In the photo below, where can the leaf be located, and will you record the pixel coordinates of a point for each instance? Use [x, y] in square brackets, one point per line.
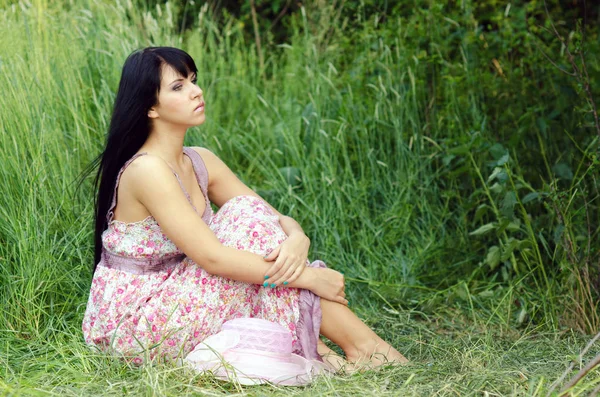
[495, 173]
[493, 257]
[506, 223]
[524, 244]
[503, 160]
[500, 155]
[509, 248]
[496, 188]
[530, 197]
[447, 159]
[483, 229]
[514, 226]
[481, 210]
[504, 272]
[522, 315]
[497, 151]
[508, 204]
[563, 171]
[462, 149]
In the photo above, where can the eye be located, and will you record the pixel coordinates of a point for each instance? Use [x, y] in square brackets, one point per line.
[195, 80]
[177, 87]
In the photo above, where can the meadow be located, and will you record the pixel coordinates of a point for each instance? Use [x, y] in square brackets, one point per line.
[434, 154]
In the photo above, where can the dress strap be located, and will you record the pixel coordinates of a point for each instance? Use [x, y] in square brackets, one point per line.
[111, 213]
[187, 195]
[199, 169]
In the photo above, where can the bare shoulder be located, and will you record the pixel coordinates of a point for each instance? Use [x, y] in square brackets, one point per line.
[147, 169]
[146, 177]
[212, 162]
[207, 155]
[222, 181]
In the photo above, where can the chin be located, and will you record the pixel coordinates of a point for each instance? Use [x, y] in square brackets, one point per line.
[200, 121]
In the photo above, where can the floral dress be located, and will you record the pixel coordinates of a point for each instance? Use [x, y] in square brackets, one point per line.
[148, 299]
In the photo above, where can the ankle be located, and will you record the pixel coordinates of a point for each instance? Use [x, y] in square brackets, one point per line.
[364, 350]
[374, 351]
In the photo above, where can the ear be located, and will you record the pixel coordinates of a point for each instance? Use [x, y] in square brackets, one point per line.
[152, 113]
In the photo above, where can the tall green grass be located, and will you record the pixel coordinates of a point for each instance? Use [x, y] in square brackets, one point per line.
[342, 140]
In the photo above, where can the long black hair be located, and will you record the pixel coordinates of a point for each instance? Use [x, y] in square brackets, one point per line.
[130, 124]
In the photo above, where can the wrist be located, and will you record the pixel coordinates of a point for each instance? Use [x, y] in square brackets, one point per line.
[305, 280]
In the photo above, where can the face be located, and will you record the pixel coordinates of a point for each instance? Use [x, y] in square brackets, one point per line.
[180, 100]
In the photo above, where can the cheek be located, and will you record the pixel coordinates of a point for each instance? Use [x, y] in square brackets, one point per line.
[174, 106]
[171, 100]
[175, 100]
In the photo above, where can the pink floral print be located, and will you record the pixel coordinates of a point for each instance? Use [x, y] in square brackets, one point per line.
[167, 313]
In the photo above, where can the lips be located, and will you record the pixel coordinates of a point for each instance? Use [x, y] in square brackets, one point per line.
[200, 107]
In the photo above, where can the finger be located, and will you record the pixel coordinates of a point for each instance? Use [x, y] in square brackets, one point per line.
[276, 265]
[295, 275]
[273, 254]
[273, 270]
[277, 270]
[291, 269]
[341, 300]
[282, 274]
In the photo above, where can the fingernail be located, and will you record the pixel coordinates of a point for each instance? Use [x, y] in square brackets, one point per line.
[265, 257]
[273, 286]
[266, 277]
[285, 283]
[265, 284]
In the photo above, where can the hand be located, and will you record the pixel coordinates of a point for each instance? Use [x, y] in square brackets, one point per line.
[328, 284]
[290, 260]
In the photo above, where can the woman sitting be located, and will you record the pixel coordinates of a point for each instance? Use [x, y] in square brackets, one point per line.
[168, 271]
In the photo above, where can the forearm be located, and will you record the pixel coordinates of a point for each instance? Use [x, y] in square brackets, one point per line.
[247, 267]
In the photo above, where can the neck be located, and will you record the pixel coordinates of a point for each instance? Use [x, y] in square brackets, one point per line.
[167, 143]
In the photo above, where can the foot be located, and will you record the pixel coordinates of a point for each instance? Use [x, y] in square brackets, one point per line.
[335, 362]
[374, 354]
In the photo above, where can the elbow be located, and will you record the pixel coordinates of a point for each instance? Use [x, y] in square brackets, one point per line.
[209, 261]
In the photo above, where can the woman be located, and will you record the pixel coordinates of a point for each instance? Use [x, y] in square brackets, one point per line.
[168, 271]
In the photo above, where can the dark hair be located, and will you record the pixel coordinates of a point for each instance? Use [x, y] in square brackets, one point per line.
[129, 124]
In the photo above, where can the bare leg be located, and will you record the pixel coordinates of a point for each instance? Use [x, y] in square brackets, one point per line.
[361, 345]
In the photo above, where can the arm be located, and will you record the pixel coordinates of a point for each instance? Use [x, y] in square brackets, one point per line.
[288, 260]
[154, 186]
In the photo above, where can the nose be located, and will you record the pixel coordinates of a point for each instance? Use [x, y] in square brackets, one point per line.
[196, 91]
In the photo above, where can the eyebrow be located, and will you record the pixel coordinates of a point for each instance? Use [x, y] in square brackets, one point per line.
[174, 81]
[181, 78]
